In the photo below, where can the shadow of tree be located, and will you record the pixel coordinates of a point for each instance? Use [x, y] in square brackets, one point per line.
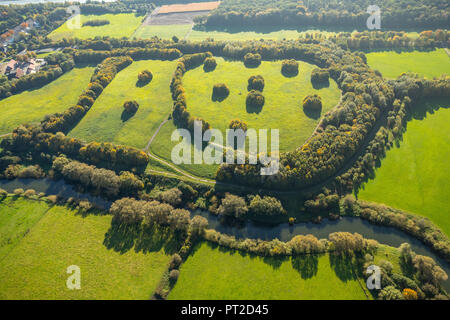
[306, 264]
[123, 237]
[313, 114]
[219, 98]
[320, 85]
[342, 265]
[126, 116]
[141, 84]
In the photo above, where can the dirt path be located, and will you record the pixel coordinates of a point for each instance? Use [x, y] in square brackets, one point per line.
[186, 37]
[154, 135]
[447, 51]
[5, 135]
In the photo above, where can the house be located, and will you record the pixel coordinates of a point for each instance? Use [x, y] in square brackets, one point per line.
[10, 66]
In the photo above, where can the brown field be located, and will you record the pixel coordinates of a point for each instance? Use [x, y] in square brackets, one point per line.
[190, 7]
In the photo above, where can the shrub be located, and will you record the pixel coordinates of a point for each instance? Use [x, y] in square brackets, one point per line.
[209, 65]
[145, 76]
[175, 39]
[131, 106]
[256, 83]
[255, 101]
[319, 76]
[233, 206]
[18, 191]
[238, 124]
[171, 196]
[312, 103]
[220, 92]
[85, 101]
[173, 275]
[267, 206]
[198, 225]
[252, 60]
[409, 294]
[289, 68]
[3, 194]
[175, 262]
[390, 293]
[29, 193]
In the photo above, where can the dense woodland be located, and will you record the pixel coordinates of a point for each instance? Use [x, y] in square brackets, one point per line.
[327, 13]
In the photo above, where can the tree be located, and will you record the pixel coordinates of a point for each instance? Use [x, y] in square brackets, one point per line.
[220, 92]
[233, 206]
[312, 103]
[428, 271]
[210, 64]
[266, 206]
[171, 196]
[320, 76]
[198, 225]
[390, 293]
[127, 210]
[131, 107]
[409, 294]
[289, 68]
[145, 76]
[255, 101]
[256, 83]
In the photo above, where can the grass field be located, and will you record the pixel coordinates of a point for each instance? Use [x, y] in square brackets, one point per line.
[112, 267]
[33, 105]
[282, 109]
[392, 64]
[212, 273]
[121, 25]
[162, 31]
[105, 121]
[17, 217]
[414, 176]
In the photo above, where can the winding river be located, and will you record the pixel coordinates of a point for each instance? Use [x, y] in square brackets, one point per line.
[284, 232]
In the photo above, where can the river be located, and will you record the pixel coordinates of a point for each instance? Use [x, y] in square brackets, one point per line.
[284, 232]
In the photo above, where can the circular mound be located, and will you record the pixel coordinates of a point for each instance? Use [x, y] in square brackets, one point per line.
[255, 101]
[131, 106]
[145, 77]
[220, 92]
[312, 103]
[289, 68]
[209, 65]
[256, 83]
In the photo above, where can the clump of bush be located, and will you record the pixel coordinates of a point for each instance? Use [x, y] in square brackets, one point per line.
[289, 68]
[3, 194]
[267, 206]
[220, 92]
[131, 106]
[238, 124]
[320, 76]
[210, 64]
[252, 60]
[312, 103]
[256, 83]
[233, 206]
[255, 101]
[145, 76]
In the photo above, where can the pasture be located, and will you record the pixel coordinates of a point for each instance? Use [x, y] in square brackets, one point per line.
[217, 274]
[112, 264]
[33, 105]
[414, 175]
[121, 25]
[106, 121]
[392, 64]
[162, 31]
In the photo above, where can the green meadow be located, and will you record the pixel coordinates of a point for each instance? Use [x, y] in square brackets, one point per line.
[106, 120]
[17, 217]
[33, 105]
[414, 175]
[112, 264]
[392, 64]
[283, 99]
[121, 25]
[162, 31]
[282, 109]
[217, 274]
